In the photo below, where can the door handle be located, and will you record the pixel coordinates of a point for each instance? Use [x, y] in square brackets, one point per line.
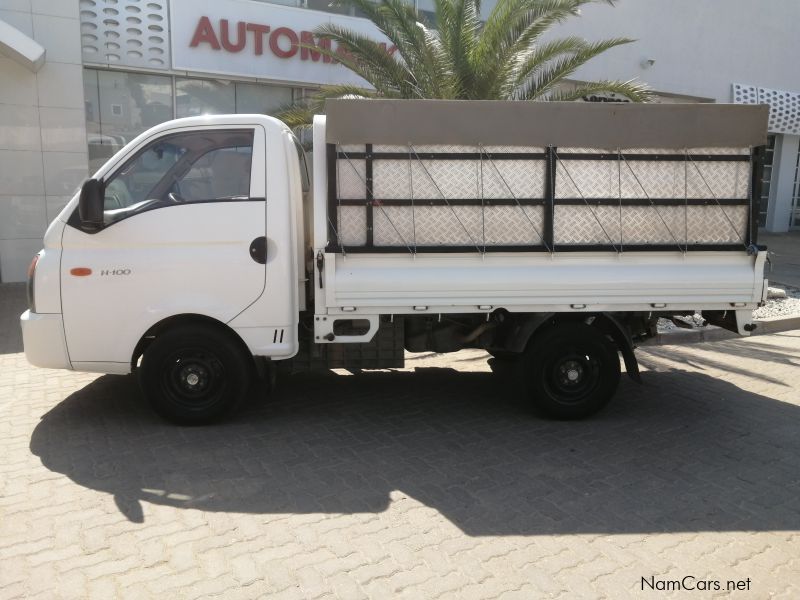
[258, 250]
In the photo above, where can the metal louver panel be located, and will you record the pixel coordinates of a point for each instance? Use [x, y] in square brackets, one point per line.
[125, 33]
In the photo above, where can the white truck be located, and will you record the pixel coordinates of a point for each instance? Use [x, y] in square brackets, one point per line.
[550, 234]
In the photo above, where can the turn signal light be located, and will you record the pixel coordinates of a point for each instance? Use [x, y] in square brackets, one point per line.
[80, 271]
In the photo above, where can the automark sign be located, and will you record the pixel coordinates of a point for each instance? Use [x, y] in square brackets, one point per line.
[257, 39]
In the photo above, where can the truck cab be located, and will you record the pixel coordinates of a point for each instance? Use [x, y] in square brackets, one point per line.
[194, 224]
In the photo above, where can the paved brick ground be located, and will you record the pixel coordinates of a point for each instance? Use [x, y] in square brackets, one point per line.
[423, 483]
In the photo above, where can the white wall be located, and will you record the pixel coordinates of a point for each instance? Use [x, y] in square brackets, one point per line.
[700, 46]
[42, 129]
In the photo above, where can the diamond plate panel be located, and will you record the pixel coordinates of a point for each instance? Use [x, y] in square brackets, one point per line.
[459, 226]
[625, 151]
[392, 179]
[709, 225]
[452, 148]
[656, 179]
[577, 150]
[725, 180]
[577, 225]
[653, 225]
[513, 225]
[428, 225]
[390, 148]
[455, 179]
[351, 178]
[352, 225]
[351, 148]
[514, 149]
[722, 151]
[513, 178]
[650, 225]
[639, 225]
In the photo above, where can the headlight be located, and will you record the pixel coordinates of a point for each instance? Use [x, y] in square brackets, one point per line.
[31, 280]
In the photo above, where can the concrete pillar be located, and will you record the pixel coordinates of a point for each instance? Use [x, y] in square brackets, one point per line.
[784, 166]
[43, 152]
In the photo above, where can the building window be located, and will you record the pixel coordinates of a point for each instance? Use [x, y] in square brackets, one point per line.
[261, 99]
[120, 106]
[329, 6]
[195, 97]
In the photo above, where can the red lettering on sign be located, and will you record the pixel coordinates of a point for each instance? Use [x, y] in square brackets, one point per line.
[313, 48]
[307, 39]
[204, 33]
[344, 53]
[241, 40]
[259, 31]
[274, 42]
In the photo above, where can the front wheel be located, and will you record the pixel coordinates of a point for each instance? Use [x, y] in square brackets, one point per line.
[570, 371]
[195, 374]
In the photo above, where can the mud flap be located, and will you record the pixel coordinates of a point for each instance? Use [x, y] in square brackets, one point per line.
[737, 321]
[624, 342]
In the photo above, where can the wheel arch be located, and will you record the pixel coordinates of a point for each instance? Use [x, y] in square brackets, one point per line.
[527, 328]
[179, 320]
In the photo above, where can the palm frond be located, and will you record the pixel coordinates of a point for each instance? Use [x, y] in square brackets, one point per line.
[458, 24]
[398, 20]
[463, 58]
[514, 26]
[367, 58]
[532, 60]
[543, 82]
[300, 114]
[632, 90]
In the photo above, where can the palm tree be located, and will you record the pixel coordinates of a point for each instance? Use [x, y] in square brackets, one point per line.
[463, 58]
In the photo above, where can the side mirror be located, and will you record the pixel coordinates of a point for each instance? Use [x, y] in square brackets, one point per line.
[90, 205]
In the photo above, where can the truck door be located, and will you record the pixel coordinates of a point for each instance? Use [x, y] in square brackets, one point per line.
[183, 233]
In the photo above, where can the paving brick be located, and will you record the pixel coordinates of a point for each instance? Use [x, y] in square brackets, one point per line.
[426, 482]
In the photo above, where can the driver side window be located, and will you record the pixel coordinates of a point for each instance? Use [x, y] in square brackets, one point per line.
[202, 166]
[133, 183]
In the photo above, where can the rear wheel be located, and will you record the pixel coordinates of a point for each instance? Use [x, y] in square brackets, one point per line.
[570, 371]
[195, 374]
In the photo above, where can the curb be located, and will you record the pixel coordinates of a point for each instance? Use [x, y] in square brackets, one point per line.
[711, 333]
[776, 324]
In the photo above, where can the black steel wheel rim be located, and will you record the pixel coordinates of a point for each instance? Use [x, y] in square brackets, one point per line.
[193, 378]
[571, 376]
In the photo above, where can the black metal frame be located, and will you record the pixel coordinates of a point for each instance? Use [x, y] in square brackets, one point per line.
[549, 201]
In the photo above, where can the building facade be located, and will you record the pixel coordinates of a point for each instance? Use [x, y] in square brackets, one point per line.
[81, 78]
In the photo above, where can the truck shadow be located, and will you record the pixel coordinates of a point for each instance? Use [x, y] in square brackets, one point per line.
[685, 452]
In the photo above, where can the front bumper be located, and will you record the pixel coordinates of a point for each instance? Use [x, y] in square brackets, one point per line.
[43, 339]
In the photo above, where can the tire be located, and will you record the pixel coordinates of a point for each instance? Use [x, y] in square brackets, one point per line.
[195, 374]
[569, 371]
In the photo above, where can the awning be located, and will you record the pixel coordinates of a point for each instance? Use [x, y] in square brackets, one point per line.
[20, 48]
